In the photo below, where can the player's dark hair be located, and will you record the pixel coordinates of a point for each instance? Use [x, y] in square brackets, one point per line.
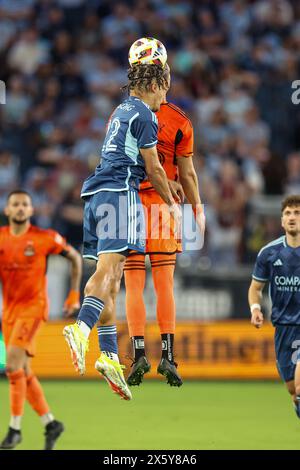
[18, 191]
[290, 201]
[141, 76]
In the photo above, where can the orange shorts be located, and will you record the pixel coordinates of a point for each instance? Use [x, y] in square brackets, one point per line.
[159, 225]
[22, 333]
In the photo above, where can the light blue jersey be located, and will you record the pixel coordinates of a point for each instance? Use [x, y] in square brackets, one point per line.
[279, 264]
[132, 126]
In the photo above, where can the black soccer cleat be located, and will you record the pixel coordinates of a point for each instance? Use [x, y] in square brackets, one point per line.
[52, 433]
[12, 439]
[138, 369]
[169, 370]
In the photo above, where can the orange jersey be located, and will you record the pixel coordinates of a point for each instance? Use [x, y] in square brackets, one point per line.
[175, 140]
[23, 265]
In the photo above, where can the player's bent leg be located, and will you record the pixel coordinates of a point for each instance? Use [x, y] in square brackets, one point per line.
[16, 357]
[296, 396]
[108, 363]
[97, 293]
[163, 267]
[135, 276]
[36, 398]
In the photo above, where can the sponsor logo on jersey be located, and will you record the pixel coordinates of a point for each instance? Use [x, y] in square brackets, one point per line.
[29, 249]
[126, 106]
[278, 262]
[288, 283]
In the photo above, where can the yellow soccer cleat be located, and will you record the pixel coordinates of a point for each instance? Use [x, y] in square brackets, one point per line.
[78, 345]
[112, 371]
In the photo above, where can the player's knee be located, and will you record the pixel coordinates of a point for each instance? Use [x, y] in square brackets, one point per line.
[12, 364]
[134, 283]
[15, 359]
[163, 278]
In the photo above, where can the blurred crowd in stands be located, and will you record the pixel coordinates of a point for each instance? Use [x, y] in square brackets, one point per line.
[233, 63]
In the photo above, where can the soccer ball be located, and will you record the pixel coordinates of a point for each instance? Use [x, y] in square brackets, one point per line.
[147, 51]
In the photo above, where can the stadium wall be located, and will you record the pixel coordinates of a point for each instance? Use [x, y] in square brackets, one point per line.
[222, 350]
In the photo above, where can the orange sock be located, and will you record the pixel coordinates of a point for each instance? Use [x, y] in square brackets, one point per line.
[135, 276]
[17, 391]
[35, 396]
[163, 267]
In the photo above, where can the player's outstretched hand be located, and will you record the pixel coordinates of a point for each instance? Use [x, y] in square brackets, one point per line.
[177, 191]
[257, 318]
[72, 303]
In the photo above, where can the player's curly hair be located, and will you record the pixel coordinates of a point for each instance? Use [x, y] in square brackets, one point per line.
[290, 201]
[141, 76]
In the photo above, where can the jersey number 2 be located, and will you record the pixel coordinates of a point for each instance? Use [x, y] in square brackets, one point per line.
[112, 131]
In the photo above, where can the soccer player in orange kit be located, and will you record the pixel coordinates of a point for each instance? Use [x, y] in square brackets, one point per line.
[24, 249]
[175, 150]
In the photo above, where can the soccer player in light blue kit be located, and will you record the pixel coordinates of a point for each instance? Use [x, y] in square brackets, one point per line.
[278, 264]
[113, 220]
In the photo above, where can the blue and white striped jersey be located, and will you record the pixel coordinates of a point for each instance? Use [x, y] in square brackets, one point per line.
[132, 126]
[279, 264]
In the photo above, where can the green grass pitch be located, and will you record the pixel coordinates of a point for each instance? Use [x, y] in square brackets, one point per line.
[199, 415]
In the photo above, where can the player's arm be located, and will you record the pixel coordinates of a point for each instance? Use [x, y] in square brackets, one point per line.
[157, 175]
[189, 181]
[254, 298]
[72, 302]
[177, 191]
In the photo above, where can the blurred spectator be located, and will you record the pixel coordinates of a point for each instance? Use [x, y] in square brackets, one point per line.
[232, 63]
[258, 232]
[68, 218]
[28, 52]
[9, 174]
[35, 184]
[228, 199]
[15, 10]
[292, 183]
[253, 131]
[274, 171]
[71, 81]
[118, 24]
[17, 101]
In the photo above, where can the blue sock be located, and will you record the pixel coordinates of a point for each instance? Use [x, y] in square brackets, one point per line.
[107, 336]
[90, 311]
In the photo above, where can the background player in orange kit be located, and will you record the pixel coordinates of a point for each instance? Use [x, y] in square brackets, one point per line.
[175, 150]
[24, 249]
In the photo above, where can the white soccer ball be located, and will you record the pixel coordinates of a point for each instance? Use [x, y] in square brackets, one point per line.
[147, 51]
